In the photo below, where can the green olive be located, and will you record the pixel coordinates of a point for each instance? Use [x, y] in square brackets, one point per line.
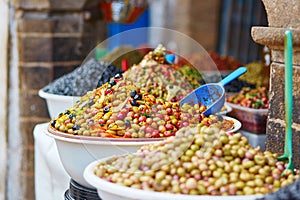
[259, 159]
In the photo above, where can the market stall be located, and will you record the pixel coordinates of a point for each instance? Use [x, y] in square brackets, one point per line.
[139, 109]
[125, 131]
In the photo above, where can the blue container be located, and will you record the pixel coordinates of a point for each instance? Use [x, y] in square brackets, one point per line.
[135, 40]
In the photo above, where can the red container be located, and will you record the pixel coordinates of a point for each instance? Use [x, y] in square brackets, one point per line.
[253, 120]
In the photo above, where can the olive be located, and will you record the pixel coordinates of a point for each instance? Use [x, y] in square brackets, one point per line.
[127, 123]
[118, 76]
[112, 83]
[75, 127]
[134, 103]
[91, 102]
[132, 93]
[106, 109]
[137, 97]
[67, 112]
[53, 123]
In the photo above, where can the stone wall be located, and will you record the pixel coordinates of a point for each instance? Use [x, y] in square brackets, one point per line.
[277, 88]
[52, 38]
[276, 121]
[282, 15]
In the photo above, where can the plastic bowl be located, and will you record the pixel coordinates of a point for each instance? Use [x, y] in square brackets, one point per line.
[253, 120]
[57, 103]
[76, 152]
[108, 191]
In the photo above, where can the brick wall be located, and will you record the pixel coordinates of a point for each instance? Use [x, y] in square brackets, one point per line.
[52, 39]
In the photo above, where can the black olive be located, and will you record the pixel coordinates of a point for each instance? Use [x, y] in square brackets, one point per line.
[71, 116]
[112, 83]
[67, 112]
[132, 93]
[117, 76]
[134, 103]
[53, 123]
[91, 102]
[137, 97]
[127, 123]
[106, 109]
[75, 127]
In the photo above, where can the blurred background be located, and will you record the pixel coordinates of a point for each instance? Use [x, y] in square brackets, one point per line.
[42, 40]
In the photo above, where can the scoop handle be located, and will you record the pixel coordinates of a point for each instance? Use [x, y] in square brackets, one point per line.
[233, 75]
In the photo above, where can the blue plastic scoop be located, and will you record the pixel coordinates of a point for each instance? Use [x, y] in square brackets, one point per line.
[212, 95]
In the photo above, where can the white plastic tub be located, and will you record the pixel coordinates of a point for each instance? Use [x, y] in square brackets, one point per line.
[110, 191]
[76, 152]
[57, 103]
[253, 120]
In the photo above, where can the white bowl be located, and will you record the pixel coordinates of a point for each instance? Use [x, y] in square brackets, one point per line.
[76, 152]
[89, 148]
[57, 103]
[108, 191]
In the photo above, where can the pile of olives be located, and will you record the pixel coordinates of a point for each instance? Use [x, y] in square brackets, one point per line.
[120, 109]
[199, 161]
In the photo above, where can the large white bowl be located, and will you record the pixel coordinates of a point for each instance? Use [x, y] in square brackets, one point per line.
[57, 103]
[108, 191]
[76, 152]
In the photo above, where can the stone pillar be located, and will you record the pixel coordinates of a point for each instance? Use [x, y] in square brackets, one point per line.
[282, 15]
[48, 39]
